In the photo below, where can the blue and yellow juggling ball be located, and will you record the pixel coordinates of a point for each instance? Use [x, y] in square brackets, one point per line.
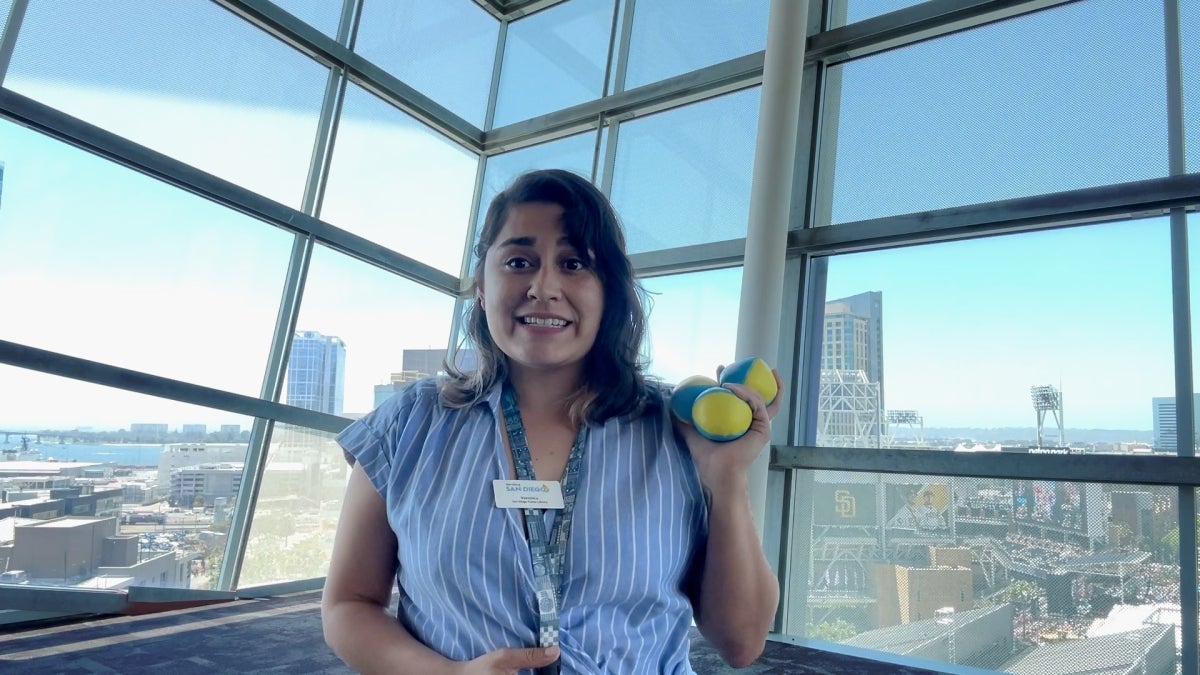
[754, 373]
[716, 412]
[683, 396]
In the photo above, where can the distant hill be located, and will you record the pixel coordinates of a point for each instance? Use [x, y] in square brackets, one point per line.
[1029, 434]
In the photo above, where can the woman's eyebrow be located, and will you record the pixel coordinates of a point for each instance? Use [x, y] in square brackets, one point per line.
[517, 241]
[530, 241]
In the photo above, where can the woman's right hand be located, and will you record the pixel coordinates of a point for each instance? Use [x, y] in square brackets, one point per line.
[509, 661]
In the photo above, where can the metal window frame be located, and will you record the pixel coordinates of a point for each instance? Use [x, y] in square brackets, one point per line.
[127, 379]
[9, 31]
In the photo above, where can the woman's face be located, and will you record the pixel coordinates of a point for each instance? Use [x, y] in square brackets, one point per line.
[542, 299]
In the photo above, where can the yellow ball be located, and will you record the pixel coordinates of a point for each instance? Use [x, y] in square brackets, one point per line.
[754, 373]
[684, 395]
[718, 414]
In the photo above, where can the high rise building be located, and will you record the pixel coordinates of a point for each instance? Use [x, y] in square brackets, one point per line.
[854, 335]
[194, 430]
[850, 409]
[1166, 435]
[316, 372]
[416, 363]
[425, 361]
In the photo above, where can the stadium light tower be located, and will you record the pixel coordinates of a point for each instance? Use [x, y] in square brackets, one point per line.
[1048, 399]
[909, 418]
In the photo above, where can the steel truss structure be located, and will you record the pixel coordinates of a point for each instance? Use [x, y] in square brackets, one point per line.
[848, 413]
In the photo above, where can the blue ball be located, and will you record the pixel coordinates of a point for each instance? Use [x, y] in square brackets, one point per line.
[718, 414]
[754, 373]
[685, 393]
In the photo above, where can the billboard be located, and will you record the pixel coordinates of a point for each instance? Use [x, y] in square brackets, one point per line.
[920, 508]
[1047, 502]
[844, 504]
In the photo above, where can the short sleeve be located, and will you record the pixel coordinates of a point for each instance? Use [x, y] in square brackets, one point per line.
[372, 441]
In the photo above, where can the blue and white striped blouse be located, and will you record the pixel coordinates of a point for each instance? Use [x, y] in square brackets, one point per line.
[465, 574]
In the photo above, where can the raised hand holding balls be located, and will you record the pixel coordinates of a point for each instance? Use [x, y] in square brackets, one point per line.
[716, 412]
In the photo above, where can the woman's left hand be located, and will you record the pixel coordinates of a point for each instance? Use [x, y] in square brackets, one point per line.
[727, 462]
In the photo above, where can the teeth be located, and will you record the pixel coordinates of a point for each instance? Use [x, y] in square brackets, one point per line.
[538, 321]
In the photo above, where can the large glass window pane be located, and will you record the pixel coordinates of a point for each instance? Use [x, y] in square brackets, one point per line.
[243, 107]
[397, 182]
[360, 332]
[324, 15]
[107, 489]
[683, 176]
[444, 50]
[1189, 18]
[1010, 575]
[101, 262]
[982, 341]
[681, 338]
[554, 59]
[573, 153]
[299, 500]
[673, 37]
[1035, 104]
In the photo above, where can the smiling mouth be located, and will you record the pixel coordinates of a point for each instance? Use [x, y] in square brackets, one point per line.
[543, 322]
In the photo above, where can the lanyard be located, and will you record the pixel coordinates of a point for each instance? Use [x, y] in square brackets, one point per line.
[547, 552]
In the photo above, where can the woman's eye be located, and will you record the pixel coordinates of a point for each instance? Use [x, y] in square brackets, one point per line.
[517, 263]
[574, 265]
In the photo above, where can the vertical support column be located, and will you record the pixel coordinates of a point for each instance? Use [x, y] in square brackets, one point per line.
[1181, 306]
[770, 203]
[260, 434]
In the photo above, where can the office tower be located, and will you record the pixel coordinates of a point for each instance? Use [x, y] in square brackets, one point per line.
[317, 372]
[854, 335]
[416, 364]
[1165, 422]
[424, 361]
[850, 405]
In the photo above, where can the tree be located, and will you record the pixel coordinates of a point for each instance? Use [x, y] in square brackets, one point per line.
[1024, 595]
[1170, 540]
[838, 630]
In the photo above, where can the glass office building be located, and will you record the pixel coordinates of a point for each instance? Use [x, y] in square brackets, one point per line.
[189, 187]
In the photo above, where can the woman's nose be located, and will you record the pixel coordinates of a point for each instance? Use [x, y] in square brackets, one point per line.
[545, 285]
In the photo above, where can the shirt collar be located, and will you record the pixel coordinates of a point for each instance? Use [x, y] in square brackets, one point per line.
[492, 399]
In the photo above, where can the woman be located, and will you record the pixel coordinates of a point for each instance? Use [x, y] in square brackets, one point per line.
[540, 509]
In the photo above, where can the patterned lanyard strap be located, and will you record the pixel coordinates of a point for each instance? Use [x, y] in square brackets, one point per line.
[547, 552]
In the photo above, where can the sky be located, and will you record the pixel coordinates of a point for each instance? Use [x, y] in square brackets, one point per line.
[138, 274]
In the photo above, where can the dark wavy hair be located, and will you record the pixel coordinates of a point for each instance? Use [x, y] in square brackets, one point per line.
[614, 378]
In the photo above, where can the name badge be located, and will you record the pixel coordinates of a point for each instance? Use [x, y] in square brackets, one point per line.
[528, 494]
